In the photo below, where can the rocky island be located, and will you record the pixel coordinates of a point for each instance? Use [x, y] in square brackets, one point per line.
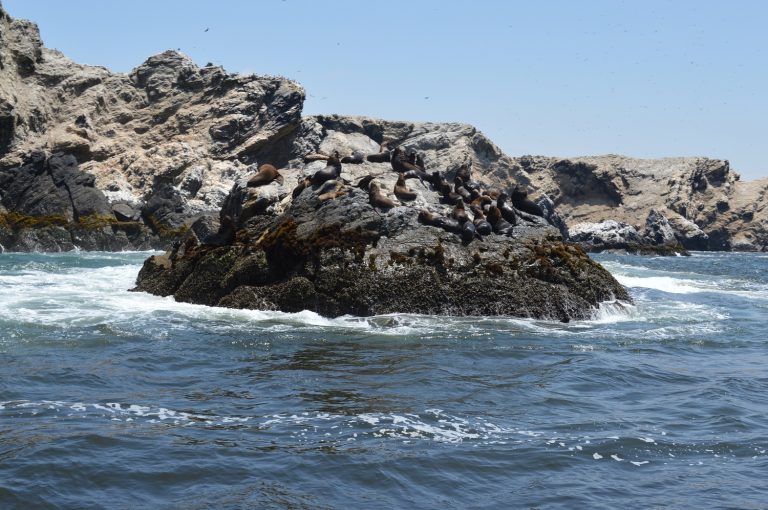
[351, 235]
[172, 156]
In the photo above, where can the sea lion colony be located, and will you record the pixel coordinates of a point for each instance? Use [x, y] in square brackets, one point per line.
[471, 211]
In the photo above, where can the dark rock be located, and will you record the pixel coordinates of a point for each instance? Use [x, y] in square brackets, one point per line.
[52, 187]
[7, 124]
[658, 231]
[342, 256]
[125, 212]
[547, 207]
[165, 209]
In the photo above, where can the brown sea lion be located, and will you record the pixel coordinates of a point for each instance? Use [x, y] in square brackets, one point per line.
[377, 199]
[401, 190]
[301, 186]
[448, 196]
[464, 172]
[309, 158]
[266, 174]
[459, 213]
[427, 217]
[499, 224]
[332, 195]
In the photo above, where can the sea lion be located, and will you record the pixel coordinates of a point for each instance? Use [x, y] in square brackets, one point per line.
[266, 174]
[459, 213]
[436, 179]
[332, 195]
[507, 212]
[481, 224]
[521, 201]
[427, 217]
[331, 171]
[400, 163]
[464, 172]
[379, 157]
[448, 196]
[377, 199]
[468, 232]
[458, 187]
[364, 182]
[475, 198]
[383, 156]
[401, 190]
[355, 158]
[309, 158]
[420, 162]
[416, 174]
[449, 224]
[306, 181]
[499, 224]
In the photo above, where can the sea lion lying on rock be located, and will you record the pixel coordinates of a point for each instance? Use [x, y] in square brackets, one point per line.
[266, 174]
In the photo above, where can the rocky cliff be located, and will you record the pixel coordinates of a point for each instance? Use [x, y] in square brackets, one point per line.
[704, 201]
[101, 160]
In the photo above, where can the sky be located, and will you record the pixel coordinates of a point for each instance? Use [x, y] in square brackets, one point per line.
[643, 78]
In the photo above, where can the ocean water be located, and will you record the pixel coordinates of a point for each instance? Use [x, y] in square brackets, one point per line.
[112, 399]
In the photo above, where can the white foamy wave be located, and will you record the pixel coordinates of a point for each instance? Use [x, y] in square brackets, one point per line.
[662, 283]
[673, 285]
[115, 411]
[610, 312]
[75, 296]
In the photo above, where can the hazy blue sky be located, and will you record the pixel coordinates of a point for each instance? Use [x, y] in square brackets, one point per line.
[645, 78]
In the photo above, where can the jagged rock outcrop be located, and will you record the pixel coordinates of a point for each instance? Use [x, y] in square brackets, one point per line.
[706, 204]
[162, 145]
[657, 238]
[331, 248]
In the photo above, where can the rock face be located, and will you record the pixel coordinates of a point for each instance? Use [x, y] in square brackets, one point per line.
[150, 151]
[705, 203]
[158, 149]
[330, 248]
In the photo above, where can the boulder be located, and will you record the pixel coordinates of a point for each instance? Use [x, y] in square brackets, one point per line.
[658, 231]
[606, 235]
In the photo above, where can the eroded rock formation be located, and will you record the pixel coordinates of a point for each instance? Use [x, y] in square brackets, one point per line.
[706, 204]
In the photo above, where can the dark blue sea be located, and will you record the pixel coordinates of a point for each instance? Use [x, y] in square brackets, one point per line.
[121, 400]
